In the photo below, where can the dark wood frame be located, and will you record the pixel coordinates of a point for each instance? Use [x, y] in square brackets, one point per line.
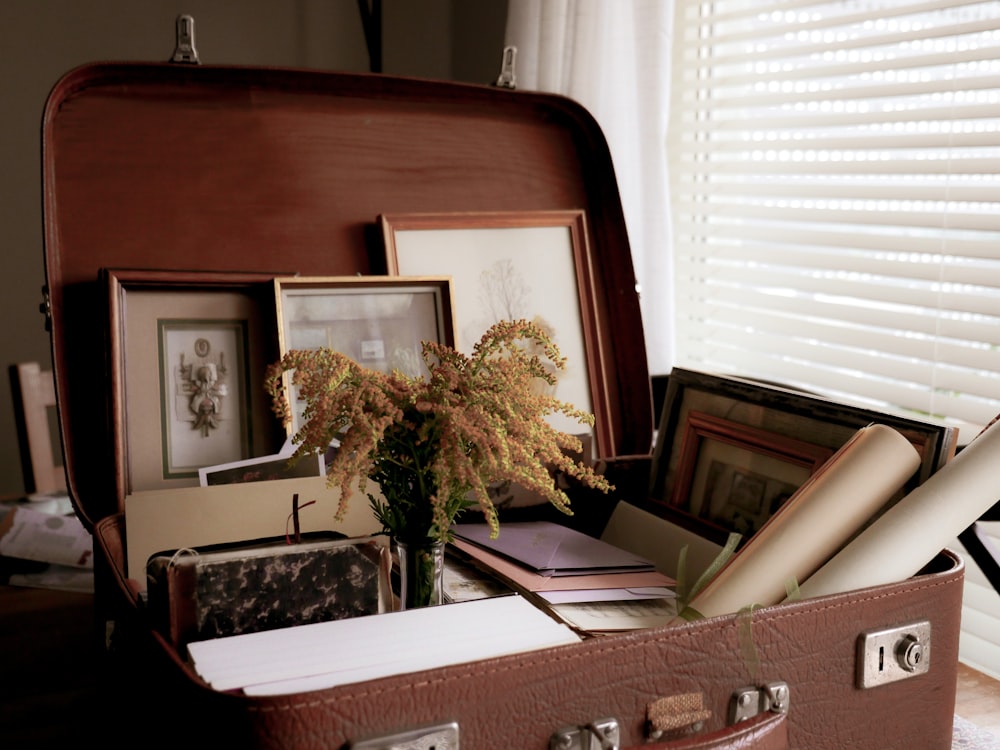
[700, 430]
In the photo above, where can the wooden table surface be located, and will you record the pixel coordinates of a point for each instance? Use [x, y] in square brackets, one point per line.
[49, 666]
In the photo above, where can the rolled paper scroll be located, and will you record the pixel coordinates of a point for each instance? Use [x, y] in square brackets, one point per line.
[817, 520]
[908, 535]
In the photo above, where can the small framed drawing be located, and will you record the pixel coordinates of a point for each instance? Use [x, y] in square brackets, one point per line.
[735, 476]
[188, 356]
[532, 265]
[380, 322]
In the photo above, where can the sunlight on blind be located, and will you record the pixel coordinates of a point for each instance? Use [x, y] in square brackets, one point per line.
[835, 179]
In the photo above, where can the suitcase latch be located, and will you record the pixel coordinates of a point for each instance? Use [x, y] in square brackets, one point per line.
[507, 79]
[747, 702]
[184, 51]
[597, 735]
[893, 654]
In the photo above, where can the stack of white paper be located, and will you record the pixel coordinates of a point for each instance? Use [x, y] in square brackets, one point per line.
[322, 655]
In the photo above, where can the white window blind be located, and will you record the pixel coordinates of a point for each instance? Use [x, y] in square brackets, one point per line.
[835, 181]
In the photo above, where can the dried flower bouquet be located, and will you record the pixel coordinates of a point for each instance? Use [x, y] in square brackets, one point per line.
[435, 445]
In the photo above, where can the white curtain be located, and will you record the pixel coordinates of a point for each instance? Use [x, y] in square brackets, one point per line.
[613, 57]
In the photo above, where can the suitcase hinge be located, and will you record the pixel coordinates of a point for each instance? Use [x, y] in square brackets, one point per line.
[507, 79]
[184, 51]
[747, 702]
[597, 735]
[45, 308]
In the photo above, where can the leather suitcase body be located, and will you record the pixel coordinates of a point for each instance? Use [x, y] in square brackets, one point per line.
[174, 168]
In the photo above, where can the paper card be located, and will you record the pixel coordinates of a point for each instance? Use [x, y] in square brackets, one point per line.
[585, 596]
[327, 654]
[638, 530]
[611, 617]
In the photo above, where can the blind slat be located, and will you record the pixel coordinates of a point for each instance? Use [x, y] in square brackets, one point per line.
[755, 98]
[815, 67]
[857, 167]
[954, 219]
[722, 308]
[870, 142]
[854, 190]
[692, 122]
[691, 229]
[891, 266]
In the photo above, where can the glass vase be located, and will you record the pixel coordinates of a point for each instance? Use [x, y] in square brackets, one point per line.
[421, 574]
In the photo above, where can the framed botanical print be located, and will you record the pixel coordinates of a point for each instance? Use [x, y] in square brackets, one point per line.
[510, 265]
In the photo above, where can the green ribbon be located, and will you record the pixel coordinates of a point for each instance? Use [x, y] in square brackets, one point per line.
[686, 595]
[792, 590]
[744, 635]
[744, 618]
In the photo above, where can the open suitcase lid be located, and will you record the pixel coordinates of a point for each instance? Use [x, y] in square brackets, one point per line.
[170, 168]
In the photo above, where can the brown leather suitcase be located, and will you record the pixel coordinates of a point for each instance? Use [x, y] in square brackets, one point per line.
[240, 173]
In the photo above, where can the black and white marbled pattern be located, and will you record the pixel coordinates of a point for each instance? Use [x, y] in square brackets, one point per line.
[253, 593]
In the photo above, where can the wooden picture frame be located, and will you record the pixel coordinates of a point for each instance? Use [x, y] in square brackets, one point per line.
[509, 265]
[780, 413]
[378, 321]
[188, 353]
[734, 477]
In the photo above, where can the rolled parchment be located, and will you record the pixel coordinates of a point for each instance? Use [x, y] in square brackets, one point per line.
[817, 520]
[908, 535]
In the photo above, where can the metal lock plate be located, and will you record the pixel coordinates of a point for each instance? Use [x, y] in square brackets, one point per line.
[437, 737]
[893, 654]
